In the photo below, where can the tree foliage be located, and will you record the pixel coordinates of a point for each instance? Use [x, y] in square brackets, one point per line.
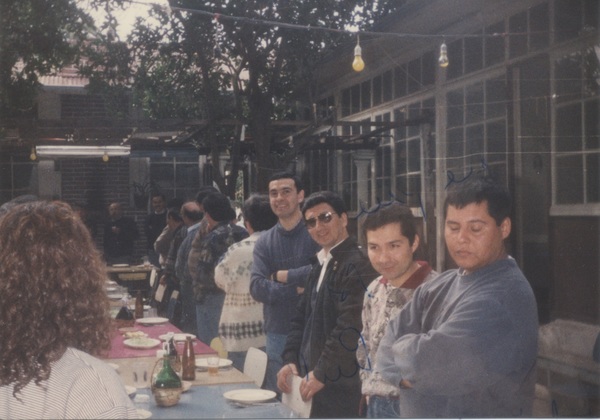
[37, 37]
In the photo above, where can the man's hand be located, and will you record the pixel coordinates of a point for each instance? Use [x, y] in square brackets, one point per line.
[163, 279]
[309, 387]
[283, 377]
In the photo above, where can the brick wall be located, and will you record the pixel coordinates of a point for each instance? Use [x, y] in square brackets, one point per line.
[94, 184]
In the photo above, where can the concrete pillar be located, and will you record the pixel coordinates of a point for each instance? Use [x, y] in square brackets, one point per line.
[363, 159]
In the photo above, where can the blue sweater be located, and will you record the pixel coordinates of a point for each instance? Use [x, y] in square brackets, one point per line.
[467, 344]
[280, 249]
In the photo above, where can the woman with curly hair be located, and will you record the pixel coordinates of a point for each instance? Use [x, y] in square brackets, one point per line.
[53, 312]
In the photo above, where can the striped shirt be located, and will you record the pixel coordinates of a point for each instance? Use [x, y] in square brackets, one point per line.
[79, 386]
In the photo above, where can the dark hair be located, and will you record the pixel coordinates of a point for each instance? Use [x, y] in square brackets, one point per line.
[258, 213]
[52, 291]
[477, 189]
[194, 213]
[203, 192]
[384, 214]
[161, 195]
[219, 208]
[288, 175]
[175, 202]
[174, 213]
[329, 197]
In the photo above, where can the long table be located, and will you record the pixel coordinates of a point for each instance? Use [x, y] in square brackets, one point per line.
[205, 397]
[208, 402]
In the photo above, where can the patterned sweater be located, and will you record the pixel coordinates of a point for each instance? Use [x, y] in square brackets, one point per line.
[241, 324]
[382, 302]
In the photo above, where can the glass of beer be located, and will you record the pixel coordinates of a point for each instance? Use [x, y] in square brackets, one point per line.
[213, 365]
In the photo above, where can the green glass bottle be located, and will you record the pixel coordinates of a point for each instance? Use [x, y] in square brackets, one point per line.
[167, 378]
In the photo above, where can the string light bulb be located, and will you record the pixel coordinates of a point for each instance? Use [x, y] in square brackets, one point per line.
[443, 60]
[358, 64]
[33, 156]
[105, 157]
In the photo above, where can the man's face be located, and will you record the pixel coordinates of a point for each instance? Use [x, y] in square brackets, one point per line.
[285, 199]
[158, 204]
[114, 211]
[473, 238]
[390, 252]
[330, 228]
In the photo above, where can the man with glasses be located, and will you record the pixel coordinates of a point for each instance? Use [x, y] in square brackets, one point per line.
[280, 267]
[321, 345]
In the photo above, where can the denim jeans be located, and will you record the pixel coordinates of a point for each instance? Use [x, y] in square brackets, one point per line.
[275, 345]
[208, 314]
[382, 407]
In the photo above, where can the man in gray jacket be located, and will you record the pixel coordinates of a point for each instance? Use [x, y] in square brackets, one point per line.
[466, 344]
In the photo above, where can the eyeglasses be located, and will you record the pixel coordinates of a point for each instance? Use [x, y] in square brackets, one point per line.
[324, 218]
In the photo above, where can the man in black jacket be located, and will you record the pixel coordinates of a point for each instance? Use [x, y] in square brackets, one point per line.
[321, 345]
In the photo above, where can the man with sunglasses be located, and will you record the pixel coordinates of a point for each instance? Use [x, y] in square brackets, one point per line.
[281, 263]
[321, 345]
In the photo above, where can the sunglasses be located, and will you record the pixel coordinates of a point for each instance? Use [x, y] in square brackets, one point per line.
[324, 218]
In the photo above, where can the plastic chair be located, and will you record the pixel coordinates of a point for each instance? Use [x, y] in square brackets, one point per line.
[255, 365]
[217, 345]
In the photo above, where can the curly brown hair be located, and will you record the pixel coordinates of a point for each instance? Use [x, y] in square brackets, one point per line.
[52, 293]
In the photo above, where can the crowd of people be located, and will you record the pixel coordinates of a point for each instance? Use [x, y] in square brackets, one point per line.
[370, 329]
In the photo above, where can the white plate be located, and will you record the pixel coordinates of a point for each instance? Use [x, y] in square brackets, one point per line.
[249, 395]
[115, 296]
[203, 363]
[177, 337]
[144, 414]
[131, 390]
[141, 343]
[152, 320]
[185, 386]
[120, 265]
[111, 289]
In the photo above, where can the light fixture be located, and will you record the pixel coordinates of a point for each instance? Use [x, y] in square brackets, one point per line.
[82, 151]
[358, 64]
[443, 60]
[33, 156]
[105, 157]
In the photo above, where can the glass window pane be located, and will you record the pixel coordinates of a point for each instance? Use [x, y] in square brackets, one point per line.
[400, 81]
[400, 132]
[365, 94]
[474, 145]
[22, 175]
[346, 106]
[377, 90]
[414, 75]
[387, 86]
[454, 101]
[568, 78]
[518, 39]
[401, 157]
[355, 98]
[568, 128]
[496, 142]
[495, 91]
[539, 24]
[414, 112]
[162, 176]
[473, 53]
[455, 142]
[592, 124]
[474, 103]
[414, 191]
[567, 19]
[429, 63]
[569, 179]
[414, 156]
[593, 177]
[5, 177]
[494, 44]
[455, 57]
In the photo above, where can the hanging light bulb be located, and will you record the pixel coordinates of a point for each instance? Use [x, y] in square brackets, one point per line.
[443, 60]
[105, 157]
[33, 156]
[358, 64]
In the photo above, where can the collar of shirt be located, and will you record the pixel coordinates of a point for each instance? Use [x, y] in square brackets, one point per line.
[194, 226]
